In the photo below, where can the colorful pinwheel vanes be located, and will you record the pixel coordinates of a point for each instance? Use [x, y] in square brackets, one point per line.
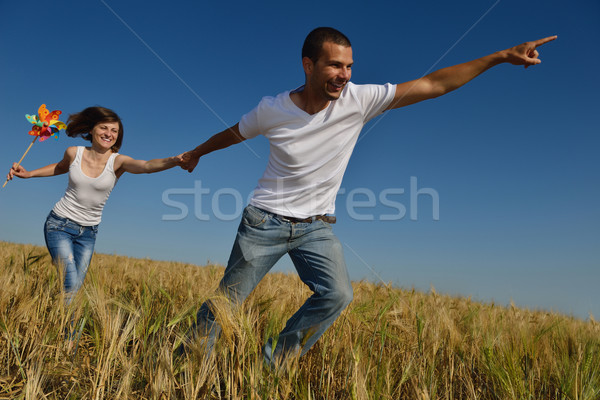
[45, 123]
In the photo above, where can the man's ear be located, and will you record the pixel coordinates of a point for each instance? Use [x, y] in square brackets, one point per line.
[308, 65]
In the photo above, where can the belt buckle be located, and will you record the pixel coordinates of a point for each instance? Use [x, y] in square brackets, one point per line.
[294, 220]
[287, 219]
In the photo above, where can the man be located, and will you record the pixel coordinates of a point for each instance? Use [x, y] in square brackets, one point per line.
[312, 131]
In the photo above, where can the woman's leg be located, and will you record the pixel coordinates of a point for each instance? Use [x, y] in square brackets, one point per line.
[71, 247]
[83, 249]
[59, 241]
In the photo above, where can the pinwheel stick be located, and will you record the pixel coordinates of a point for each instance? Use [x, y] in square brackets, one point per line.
[24, 154]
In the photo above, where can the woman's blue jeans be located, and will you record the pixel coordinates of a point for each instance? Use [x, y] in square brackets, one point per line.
[71, 247]
[262, 239]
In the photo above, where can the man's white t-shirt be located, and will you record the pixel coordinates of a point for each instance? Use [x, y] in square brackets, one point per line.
[309, 153]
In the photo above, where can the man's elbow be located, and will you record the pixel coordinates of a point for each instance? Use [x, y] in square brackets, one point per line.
[430, 88]
[439, 89]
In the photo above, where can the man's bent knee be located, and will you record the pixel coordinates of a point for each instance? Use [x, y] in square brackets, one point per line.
[342, 296]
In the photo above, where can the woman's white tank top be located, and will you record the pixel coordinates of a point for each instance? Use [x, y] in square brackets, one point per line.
[85, 197]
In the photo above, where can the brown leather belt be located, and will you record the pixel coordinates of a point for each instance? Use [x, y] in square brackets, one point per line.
[327, 218]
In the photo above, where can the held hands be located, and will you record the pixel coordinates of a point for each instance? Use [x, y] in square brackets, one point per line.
[178, 160]
[18, 171]
[526, 54]
[189, 160]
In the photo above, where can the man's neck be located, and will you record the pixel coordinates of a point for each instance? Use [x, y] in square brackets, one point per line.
[308, 101]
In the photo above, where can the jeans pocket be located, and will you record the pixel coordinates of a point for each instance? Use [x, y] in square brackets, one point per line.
[253, 216]
[50, 226]
[53, 223]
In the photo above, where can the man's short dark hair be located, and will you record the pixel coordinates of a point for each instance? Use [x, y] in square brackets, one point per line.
[313, 44]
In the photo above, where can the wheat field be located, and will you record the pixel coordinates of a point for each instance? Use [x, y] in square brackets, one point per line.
[389, 344]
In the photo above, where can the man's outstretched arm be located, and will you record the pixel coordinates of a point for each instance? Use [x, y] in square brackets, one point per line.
[218, 141]
[447, 79]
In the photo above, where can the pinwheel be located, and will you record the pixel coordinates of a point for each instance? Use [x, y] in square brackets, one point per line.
[45, 125]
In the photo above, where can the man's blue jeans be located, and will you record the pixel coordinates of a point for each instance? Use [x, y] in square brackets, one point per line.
[71, 247]
[262, 239]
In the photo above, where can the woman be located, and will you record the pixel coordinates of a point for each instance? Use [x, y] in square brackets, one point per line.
[71, 227]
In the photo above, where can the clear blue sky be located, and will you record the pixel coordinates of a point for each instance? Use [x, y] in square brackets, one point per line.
[512, 156]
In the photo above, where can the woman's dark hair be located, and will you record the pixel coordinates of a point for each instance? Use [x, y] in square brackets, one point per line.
[313, 44]
[81, 124]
